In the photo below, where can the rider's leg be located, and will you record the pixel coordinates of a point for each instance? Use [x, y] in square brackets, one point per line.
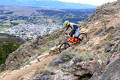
[76, 35]
[72, 32]
[72, 35]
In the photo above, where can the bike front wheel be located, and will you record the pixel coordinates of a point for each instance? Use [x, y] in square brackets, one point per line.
[64, 46]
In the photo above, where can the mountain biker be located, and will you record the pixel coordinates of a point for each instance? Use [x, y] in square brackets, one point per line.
[75, 29]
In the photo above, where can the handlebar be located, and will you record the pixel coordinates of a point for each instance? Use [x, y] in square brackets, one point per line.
[65, 36]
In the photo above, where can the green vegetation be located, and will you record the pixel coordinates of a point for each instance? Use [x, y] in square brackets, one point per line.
[6, 48]
[65, 69]
[103, 56]
[109, 37]
[72, 15]
[119, 46]
[85, 55]
[96, 47]
[67, 53]
[44, 69]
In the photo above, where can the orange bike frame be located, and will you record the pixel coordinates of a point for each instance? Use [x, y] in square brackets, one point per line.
[71, 39]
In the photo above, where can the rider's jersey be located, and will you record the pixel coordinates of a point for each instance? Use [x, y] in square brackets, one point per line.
[73, 26]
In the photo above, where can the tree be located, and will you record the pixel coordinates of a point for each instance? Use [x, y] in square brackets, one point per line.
[6, 48]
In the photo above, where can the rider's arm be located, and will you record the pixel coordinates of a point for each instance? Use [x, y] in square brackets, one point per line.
[67, 28]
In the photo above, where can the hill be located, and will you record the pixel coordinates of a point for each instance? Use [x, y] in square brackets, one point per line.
[8, 44]
[47, 3]
[17, 14]
[19, 21]
[6, 37]
[97, 58]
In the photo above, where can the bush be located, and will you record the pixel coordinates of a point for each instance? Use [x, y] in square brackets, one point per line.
[6, 48]
[119, 46]
[86, 55]
[44, 69]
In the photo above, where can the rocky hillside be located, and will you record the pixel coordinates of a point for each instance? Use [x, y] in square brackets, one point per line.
[8, 44]
[98, 58]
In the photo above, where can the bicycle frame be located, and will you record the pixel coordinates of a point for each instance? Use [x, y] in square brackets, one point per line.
[71, 39]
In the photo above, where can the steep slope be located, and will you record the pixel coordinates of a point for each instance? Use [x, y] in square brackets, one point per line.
[98, 59]
[31, 49]
[27, 59]
[8, 44]
[95, 59]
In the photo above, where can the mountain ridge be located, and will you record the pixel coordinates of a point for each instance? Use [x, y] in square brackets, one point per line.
[52, 4]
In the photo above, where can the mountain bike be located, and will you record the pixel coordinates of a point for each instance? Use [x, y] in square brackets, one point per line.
[71, 40]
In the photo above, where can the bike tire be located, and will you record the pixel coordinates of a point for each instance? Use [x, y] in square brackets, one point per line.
[64, 46]
[84, 35]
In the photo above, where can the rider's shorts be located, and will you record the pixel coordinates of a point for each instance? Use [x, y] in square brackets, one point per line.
[76, 33]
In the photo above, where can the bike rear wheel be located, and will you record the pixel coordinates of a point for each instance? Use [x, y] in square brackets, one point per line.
[64, 46]
[82, 36]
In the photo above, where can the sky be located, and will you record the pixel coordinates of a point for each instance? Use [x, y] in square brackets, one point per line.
[92, 2]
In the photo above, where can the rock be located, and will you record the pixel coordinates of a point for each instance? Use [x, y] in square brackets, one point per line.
[104, 30]
[16, 58]
[2, 66]
[100, 31]
[110, 28]
[103, 10]
[42, 76]
[118, 0]
[77, 60]
[54, 50]
[60, 75]
[62, 59]
[108, 72]
[112, 71]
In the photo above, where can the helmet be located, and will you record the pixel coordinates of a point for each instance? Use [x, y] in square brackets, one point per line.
[66, 23]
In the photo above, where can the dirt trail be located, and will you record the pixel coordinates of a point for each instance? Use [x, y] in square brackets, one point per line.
[26, 72]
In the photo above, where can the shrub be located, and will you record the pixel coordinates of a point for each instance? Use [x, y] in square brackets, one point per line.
[67, 53]
[6, 48]
[44, 69]
[119, 46]
[109, 37]
[85, 55]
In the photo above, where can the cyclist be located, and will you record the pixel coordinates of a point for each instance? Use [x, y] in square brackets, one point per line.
[75, 29]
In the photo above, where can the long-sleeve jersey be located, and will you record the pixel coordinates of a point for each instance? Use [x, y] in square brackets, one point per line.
[72, 26]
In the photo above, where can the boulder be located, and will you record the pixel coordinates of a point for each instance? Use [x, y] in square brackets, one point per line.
[109, 72]
[112, 71]
[62, 59]
[42, 76]
[54, 50]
